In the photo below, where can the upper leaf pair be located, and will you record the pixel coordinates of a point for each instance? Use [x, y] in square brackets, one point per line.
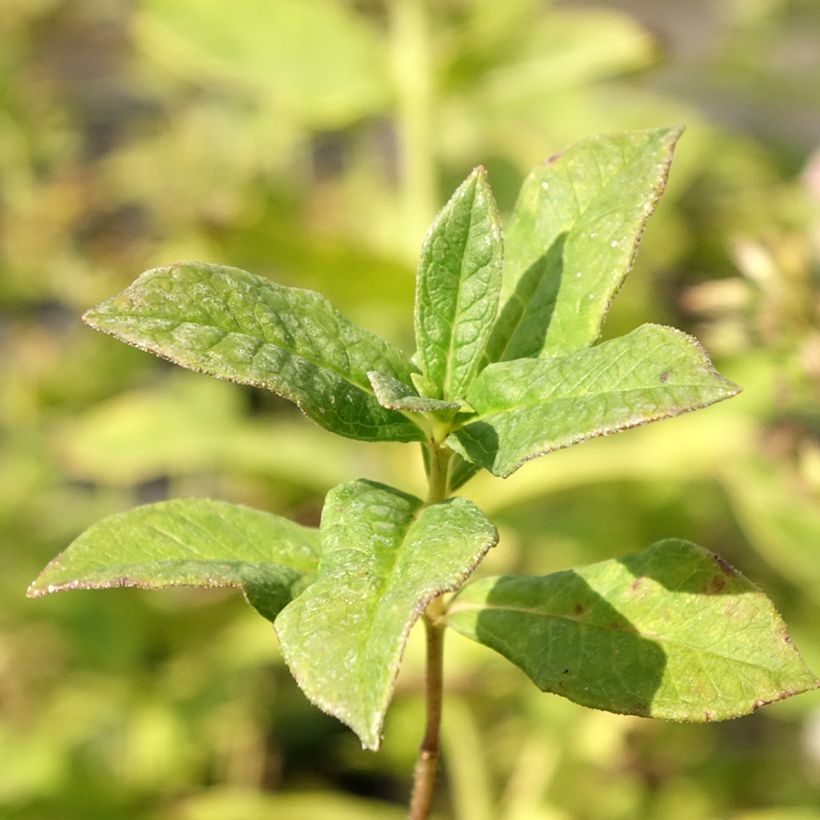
[530, 316]
[571, 242]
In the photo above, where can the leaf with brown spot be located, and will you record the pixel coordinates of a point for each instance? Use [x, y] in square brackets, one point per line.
[670, 652]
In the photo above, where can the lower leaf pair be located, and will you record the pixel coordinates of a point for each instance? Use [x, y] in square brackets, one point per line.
[652, 634]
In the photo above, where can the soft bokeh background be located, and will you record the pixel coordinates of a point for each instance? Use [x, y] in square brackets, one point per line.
[312, 141]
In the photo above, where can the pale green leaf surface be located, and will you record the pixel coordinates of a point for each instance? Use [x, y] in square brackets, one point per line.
[672, 632]
[235, 325]
[780, 517]
[396, 395]
[529, 407]
[190, 542]
[384, 557]
[457, 287]
[565, 50]
[318, 62]
[572, 239]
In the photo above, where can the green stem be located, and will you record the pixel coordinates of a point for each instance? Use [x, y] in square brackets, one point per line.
[424, 775]
[438, 475]
[412, 75]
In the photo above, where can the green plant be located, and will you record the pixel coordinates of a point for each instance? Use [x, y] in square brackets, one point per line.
[506, 370]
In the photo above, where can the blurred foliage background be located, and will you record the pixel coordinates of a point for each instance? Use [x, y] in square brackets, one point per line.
[312, 141]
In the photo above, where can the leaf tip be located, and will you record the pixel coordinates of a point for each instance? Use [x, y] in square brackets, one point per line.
[672, 133]
[90, 317]
[36, 591]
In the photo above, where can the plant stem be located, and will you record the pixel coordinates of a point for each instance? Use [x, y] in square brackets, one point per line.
[424, 775]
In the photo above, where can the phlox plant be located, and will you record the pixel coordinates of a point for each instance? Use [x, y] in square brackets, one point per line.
[507, 368]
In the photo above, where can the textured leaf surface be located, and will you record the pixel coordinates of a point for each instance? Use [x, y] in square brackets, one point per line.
[238, 326]
[672, 632]
[573, 235]
[457, 287]
[529, 407]
[384, 557]
[190, 542]
[396, 395]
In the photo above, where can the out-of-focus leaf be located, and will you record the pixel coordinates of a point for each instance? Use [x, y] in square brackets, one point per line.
[565, 48]
[672, 632]
[190, 542]
[320, 60]
[383, 559]
[573, 237]
[457, 287]
[188, 425]
[235, 325]
[528, 407]
[781, 521]
[222, 803]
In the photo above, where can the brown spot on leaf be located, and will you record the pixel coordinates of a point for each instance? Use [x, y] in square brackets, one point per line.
[664, 377]
[715, 585]
[636, 584]
[708, 716]
[579, 608]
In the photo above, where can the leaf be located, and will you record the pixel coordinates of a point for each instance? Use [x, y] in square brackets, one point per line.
[384, 558]
[396, 395]
[188, 425]
[320, 63]
[779, 516]
[564, 49]
[237, 326]
[190, 542]
[530, 407]
[457, 287]
[672, 632]
[572, 240]
[461, 471]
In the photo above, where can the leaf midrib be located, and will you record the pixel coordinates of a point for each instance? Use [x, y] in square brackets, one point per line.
[377, 598]
[263, 343]
[545, 402]
[581, 212]
[447, 391]
[462, 607]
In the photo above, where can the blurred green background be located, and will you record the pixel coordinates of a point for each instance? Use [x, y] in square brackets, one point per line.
[312, 141]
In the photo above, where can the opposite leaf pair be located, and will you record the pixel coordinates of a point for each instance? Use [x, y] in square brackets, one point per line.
[343, 598]
[506, 369]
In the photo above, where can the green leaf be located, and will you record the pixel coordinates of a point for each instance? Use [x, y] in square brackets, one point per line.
[779, 515]
[237, 326]
[461, 471]
[384, 558]
[572, 239]
[530, 407]
[396, 395]
[457, 287]
[672, 632]
[320, 63]
[190, 542]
